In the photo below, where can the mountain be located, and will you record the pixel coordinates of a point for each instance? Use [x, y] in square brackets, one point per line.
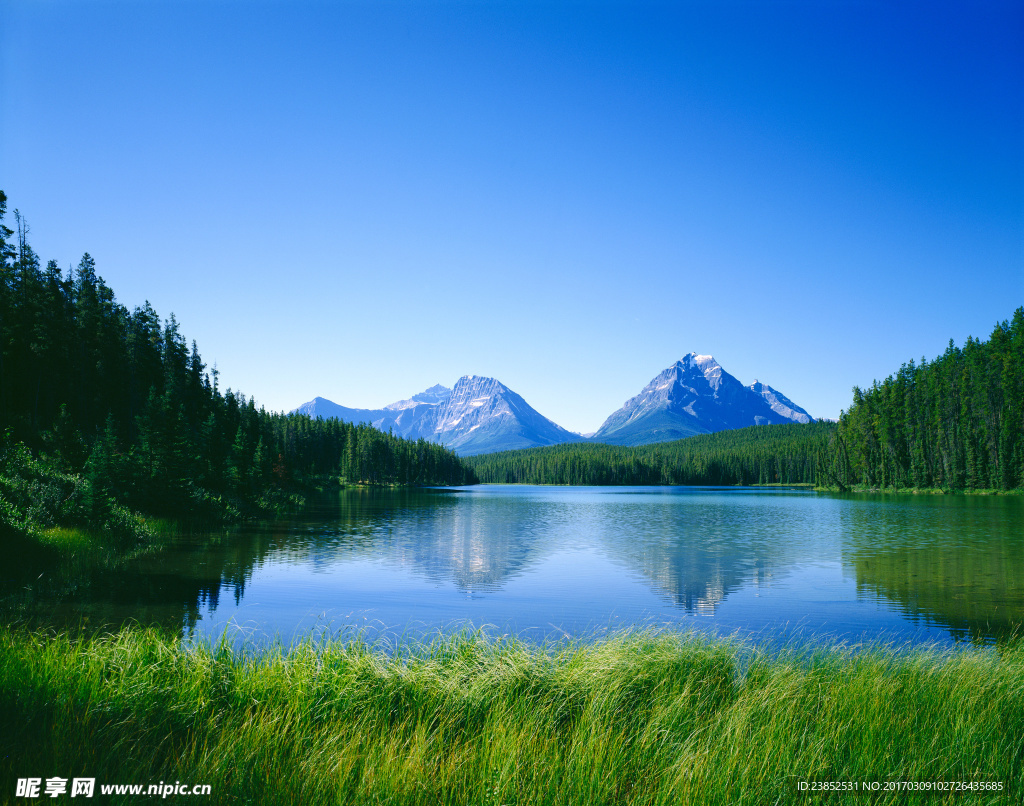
[326, 409]
[483, 415]
[779, 403]
[695, 396]
[435, 394]
[479, 415]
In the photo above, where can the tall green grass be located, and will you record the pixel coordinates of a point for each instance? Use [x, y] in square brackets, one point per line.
[636, 719]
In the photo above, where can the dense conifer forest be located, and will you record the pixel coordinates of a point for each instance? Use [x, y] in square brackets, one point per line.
[118, 406]
[765, 454]
[105, 410]
[956, 423]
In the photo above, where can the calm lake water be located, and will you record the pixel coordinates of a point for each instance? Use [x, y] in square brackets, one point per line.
[545, 562]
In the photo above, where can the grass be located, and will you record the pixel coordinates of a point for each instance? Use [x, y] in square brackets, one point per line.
[641, 718]
[925, 490]
[67, 538]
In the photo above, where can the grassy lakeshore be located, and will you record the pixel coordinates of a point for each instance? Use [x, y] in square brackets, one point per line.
[921, 490]
[636, 719]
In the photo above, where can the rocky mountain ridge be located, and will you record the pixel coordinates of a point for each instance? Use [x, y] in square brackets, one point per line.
[478, 415]
[695, 396]
[481, 415]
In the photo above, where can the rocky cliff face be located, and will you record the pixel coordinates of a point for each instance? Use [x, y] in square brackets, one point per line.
[483, 415]
[780, 404]
[479, 415]
[695, 396]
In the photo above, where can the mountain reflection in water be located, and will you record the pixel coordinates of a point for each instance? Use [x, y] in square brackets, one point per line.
[572, 559]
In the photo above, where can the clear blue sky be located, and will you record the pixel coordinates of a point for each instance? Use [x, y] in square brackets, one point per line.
[360, 200]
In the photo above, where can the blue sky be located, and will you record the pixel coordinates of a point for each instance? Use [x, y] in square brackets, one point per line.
[360, 200]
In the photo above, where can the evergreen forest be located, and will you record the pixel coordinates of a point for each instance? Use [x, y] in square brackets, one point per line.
[104, 410]
[955, 423]
[763, 454]
[952, 424]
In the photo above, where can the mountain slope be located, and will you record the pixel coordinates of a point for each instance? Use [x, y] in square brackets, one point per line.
[323, 408]
[779, 403]
[481, 415]
[478, 416]
[695, 396]
[484, 415]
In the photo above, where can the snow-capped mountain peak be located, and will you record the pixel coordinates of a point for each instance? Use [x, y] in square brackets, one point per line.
[706, 365]
[695, 396]
[478, 415]
[704, 362]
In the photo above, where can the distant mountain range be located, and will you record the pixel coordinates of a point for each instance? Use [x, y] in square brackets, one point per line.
[482, 415]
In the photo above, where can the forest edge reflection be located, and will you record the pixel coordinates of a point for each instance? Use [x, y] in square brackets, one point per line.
[950, 562]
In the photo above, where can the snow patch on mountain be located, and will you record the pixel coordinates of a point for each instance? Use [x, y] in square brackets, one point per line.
[478, 415]
[779, 403]
[695, 396]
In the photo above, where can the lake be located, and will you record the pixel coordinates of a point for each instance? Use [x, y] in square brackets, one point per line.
[549, 562]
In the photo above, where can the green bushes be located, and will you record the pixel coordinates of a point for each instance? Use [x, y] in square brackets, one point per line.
[36, 496]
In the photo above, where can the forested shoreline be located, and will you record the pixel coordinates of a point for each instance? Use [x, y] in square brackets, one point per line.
[955, 423]
[102, 408]
[106, 411]
[762, 454]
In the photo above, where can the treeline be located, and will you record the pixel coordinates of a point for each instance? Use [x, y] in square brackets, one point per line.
[956, 423]
[123, 399]
[764, 454]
